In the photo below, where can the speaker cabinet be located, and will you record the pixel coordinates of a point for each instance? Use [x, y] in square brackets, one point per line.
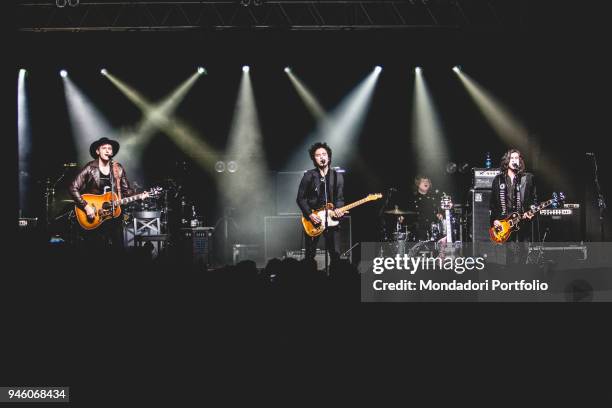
[482, 245]
[285, 234]
[196, 245]
[561, 224]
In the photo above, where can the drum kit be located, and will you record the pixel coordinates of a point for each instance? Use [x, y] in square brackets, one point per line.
[174, 207]
[404, 235]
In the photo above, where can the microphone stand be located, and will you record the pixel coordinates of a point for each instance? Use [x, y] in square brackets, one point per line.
[112, 182]
[601, 200]
[325, 224]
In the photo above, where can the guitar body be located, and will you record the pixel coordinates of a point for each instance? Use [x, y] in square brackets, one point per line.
[313, 230]
[500, 234]
[102, 205]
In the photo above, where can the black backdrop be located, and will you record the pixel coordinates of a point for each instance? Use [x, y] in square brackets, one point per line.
[528, 71]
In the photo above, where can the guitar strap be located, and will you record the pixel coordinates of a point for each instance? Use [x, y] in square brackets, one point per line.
[117, 175]
[332, 183]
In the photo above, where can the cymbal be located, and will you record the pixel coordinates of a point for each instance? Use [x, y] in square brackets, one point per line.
[397, 211]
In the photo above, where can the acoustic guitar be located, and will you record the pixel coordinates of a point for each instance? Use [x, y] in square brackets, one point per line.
[103, 205]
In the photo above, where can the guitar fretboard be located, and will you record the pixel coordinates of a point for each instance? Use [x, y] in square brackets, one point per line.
[130, 199]
[543, 205]
[355, 204]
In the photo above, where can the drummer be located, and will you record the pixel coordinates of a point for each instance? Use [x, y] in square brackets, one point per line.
[426, 204]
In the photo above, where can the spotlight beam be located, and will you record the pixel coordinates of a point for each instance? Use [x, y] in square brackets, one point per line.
[510, 129]
[311, 102]
[160, 116]
[87, 122]
[249, 188]
[24, 141]
[341, 127]
[428, 137]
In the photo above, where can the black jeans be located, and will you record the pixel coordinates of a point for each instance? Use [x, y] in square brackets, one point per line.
[108, 236]
[517, 245]
[331, 236]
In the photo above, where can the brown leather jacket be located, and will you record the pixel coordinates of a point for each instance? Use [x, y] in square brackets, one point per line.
[88, 182]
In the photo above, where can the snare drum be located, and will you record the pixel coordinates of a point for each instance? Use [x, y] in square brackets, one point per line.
[402, 234]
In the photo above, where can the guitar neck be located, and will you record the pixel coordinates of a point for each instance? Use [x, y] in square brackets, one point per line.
[130, 199]
[355, 204]
[541, 206]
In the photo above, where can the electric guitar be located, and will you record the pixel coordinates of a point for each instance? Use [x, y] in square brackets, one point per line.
[103, 205]
[313, 230]
[500, 234]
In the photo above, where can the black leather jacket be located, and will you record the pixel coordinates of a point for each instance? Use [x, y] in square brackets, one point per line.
[526, 196]
[88, 182]
[309, 197]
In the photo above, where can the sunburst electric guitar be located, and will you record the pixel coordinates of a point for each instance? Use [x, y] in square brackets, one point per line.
[313, 230]
[103, 204]
[500, 234]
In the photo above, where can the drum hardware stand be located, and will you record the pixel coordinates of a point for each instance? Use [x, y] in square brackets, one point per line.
[601, 200]
[348, 250]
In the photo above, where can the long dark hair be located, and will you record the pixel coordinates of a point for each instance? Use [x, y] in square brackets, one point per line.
[317, 146]
[505, 161]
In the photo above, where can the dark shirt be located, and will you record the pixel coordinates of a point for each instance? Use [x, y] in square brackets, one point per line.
[105, 181]
[511, 192]
[526, 189]
[426, 206]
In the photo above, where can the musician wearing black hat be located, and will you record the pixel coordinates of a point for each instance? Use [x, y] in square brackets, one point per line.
[99, 176]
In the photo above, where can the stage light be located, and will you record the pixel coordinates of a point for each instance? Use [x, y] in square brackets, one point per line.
[377, 69]
[22, 71]
[232, 166]
[287, 69]
[418, 70]
[219, 167]
[103, 71]
[61, 3]
[457, 68]
[451, 167]
[201, 70]
[245, 68]
[73, 3]
[63, 73]
[245, 3]
[464, 168]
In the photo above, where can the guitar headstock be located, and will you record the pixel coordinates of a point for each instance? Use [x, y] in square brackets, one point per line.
[155, 192]
[446, 203]
[372, 197]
